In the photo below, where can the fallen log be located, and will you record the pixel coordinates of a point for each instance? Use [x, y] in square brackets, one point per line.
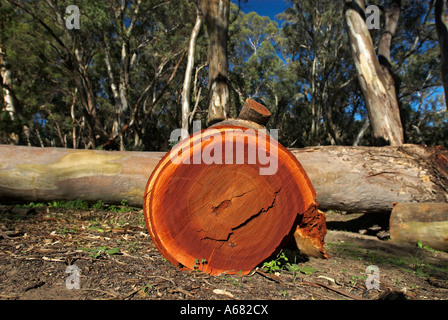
[352, 179]
[371, 179]
[381, 177]
[424, 222]
[47, 174]
[225, 199]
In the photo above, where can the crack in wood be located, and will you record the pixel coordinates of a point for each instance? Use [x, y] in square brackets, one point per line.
[259, 213]
[244, 223]
[226, 203]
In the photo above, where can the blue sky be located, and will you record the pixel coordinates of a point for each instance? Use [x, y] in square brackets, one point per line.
[268, 8]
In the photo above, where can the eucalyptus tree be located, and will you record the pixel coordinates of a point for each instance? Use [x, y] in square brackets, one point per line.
[316, 42]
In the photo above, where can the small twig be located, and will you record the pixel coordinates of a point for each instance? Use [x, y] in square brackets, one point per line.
[53, 260]
[8, 296]
[5, 236]
[341, 292]
[177, 289]
[269, 276]
[101, 291]
[382, 172]
[35, 285]
[163, 279]
[130, 295]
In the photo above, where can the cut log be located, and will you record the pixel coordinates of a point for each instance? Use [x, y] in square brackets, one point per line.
[210, 205]
[352, 179]
[311, 229]
[425, 222]
[256, 112]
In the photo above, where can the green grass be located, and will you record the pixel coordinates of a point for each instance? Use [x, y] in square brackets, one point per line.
[72, 204]
[79, 204]
[284, 262]
[96, 252]
[412, 263]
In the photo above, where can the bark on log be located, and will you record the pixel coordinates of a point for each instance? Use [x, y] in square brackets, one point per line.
[254, 111]
[47, 174]
[352, 179]
[370, 180]
[425, 222]
[214, 208]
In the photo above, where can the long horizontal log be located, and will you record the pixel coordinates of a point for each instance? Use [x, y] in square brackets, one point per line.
[46, 174]
[371, 179]
[424, 222]
[352, 179]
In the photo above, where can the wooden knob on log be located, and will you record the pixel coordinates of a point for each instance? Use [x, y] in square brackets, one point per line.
[254, 111]
[253, 116]
[211, 204]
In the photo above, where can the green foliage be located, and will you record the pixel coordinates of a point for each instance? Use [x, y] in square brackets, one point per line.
[73, 204]
[199, 263]
[282, 262]
[96, 252]
[422, 246]
[299, 66]
[296, 269]
[99, 205]
[275, 264]
[34, 205]
[83, 205]
[146, 288]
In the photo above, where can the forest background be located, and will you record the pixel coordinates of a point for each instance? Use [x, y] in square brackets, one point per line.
[117, 82]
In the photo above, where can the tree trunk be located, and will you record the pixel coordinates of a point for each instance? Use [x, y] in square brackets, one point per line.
[216, 15]
[377, 85]
[70, 51]
[424, 222]
[352, 179]
[186, 90]
[117, 124]
[390, 26]
[209, 205]
[441, 19]
[6, 84]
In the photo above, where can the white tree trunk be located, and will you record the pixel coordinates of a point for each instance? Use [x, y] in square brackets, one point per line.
[377, 84]
[7, 83]
[186, 90]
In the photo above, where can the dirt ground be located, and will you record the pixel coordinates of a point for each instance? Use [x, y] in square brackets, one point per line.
[116, 259]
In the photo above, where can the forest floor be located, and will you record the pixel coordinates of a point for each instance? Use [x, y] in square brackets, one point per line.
[116, 259]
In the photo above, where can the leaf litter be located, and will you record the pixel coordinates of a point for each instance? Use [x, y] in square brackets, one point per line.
[116, 259]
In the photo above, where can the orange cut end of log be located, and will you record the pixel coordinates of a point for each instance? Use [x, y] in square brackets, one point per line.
[223, 216]
[258, 107]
